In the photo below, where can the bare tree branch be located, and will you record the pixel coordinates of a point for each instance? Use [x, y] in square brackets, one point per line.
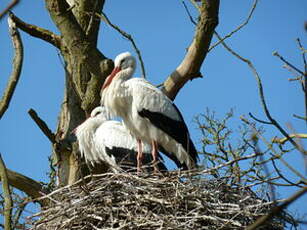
[17, 66]
[197, 51]
[303, 54]
[42, 125]
[31, 187]
[277, 209]
[37, 32]
[305, 73]
[188, 12]
[264, 165]
[104, 17]
[21, 207]
[8, 203]
[276, 154]
[290, 183]
[285, 139]
[260, 121]
[288, 63]
[300, 117]
[8, 8]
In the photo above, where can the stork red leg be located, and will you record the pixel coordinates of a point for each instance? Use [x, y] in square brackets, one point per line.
[139, 156]
[154, 152]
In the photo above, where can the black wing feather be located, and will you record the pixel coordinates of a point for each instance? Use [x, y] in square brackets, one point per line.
[126, 158]
[176, 129]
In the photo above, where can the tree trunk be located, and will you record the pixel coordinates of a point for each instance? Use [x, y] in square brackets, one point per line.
[79, 32]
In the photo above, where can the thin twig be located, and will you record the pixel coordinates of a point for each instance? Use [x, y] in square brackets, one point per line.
[299, 143]
[8, 203]
[8, 8]
[188, 12]
[300, 117]
[288, 63]
[238, 28]
[305, 74]
[260, 121]
[42, 125]
[264, 165]
[303, 54]
[277, 209]
[17, 66]
[283, 177]
[104, 17]
[18, 213]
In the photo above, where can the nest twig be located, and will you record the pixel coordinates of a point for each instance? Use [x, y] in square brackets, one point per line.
[128, 201]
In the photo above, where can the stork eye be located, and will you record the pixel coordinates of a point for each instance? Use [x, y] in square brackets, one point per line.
[122, 61]
[97, 113]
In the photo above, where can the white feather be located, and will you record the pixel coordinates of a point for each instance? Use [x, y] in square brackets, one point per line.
[97, 132]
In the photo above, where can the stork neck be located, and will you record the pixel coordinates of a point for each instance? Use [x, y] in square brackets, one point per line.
[125, 74]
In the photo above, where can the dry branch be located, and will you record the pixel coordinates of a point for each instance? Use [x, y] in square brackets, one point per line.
[8, 203]
[17, 66]
[285, 139]
[127, 201]
[190, 66]
[42, 125]
[31, 187]
[37, 32]
[275, 153]
[288, 63]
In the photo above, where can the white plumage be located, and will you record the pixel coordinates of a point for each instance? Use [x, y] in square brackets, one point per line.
[149, 115]
[107, 141]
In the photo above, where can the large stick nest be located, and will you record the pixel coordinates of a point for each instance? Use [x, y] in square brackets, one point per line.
[128, 201]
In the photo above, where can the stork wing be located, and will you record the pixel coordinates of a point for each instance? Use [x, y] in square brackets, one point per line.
[154, 105]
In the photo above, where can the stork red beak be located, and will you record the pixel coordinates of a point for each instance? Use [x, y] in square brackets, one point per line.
[110, 77]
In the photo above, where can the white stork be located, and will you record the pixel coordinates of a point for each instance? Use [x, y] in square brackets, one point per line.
[148, 113]
[107, 141]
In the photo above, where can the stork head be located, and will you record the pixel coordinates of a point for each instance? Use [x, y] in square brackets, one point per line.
[124, 66]
[100, 112]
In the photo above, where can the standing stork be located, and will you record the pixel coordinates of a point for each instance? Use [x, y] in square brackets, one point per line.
[148, 113]
[107, 141]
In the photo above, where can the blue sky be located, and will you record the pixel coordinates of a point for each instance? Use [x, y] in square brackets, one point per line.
[162, 31]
